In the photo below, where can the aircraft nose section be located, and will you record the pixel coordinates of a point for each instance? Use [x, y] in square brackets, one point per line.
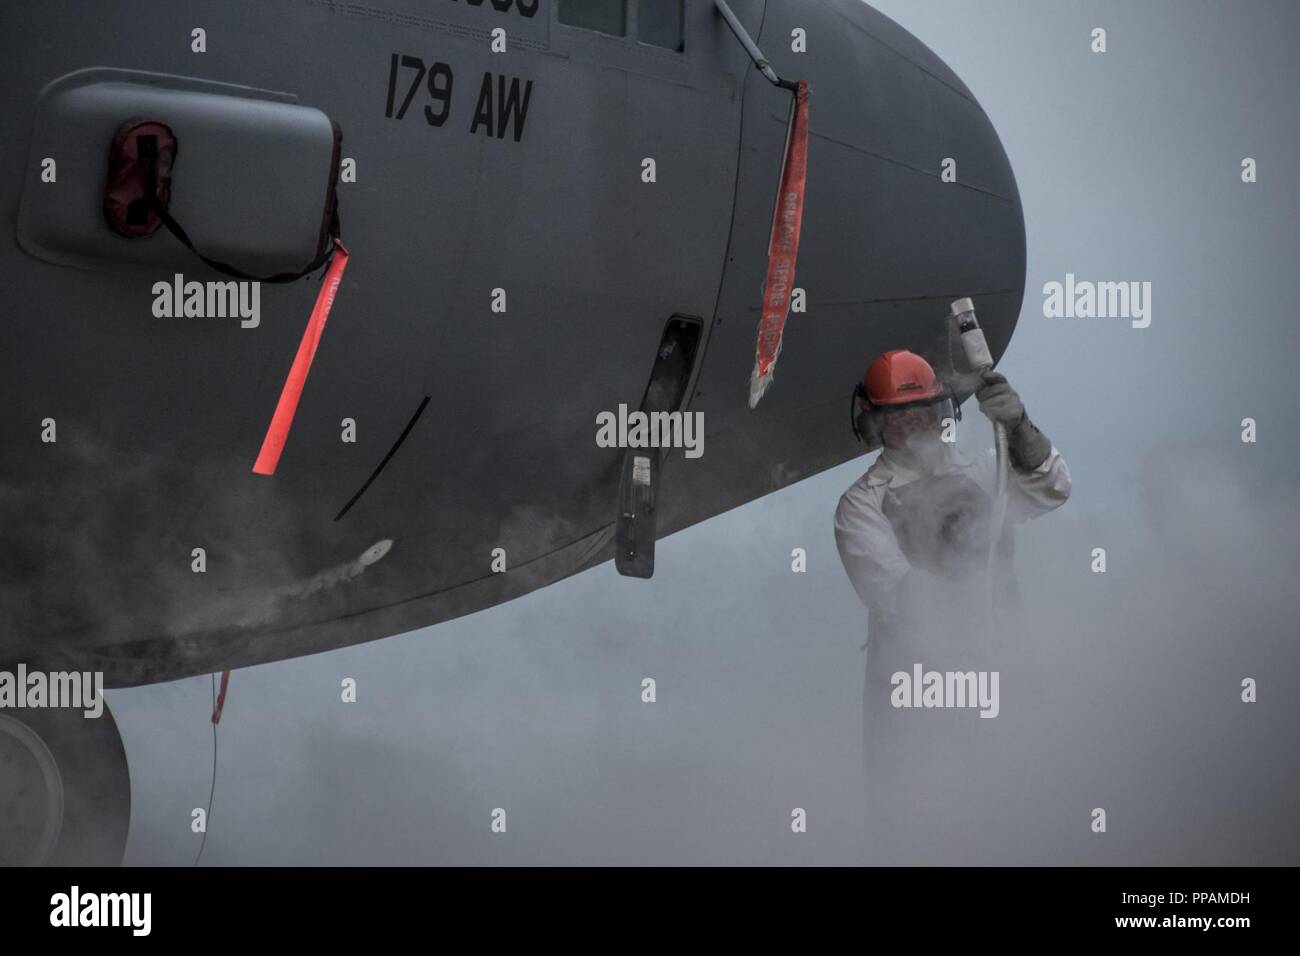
[911, 199]
[938, 213]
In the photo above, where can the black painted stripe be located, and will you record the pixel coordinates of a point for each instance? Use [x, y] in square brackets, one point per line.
[387, 458]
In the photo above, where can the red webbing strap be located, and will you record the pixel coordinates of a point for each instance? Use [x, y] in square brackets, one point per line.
[221, 697]
[277, 433]
[783, 247]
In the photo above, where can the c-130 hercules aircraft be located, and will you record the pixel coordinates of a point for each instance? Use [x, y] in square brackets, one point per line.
[512, 272]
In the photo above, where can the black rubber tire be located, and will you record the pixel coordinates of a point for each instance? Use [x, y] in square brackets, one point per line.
[96, 783]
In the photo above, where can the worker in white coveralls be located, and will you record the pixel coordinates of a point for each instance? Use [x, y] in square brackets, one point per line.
[941, 754]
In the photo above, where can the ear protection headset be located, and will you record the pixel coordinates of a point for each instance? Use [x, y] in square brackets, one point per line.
[865, 425]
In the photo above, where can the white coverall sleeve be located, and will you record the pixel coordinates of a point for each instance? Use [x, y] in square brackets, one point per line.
[1030, 493]
[868, 548]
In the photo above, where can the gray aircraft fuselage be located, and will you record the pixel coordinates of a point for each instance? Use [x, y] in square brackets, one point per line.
[158, 420]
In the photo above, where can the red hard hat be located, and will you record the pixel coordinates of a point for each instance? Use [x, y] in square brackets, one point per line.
[899, 377]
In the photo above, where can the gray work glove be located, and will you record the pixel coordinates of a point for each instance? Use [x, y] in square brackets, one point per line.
[1027, 446]
[998, 400]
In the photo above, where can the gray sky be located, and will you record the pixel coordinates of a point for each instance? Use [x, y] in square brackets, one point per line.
[1128, 165]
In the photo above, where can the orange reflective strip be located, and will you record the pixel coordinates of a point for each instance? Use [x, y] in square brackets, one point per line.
[221, 697]
[783, 247]
[277, 433]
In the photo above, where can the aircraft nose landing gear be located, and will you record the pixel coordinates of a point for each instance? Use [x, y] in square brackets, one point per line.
[65, 792]
[31, 796]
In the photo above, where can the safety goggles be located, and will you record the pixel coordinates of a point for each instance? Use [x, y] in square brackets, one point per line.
[867, 420]
[916, 416]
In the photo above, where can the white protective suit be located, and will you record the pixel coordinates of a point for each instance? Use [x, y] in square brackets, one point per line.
[941, 783]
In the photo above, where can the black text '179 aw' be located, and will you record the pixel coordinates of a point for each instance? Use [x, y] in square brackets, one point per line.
[500, 107]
